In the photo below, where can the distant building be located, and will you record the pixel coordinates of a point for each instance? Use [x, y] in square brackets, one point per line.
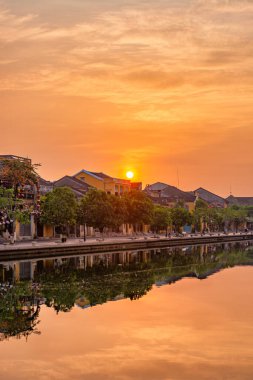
[136, 186]
[13, 157]
[79, 187]
[45, 186]
[212, 199]
[167, 195]
[240, 201]
[102, 181]
[156, 188]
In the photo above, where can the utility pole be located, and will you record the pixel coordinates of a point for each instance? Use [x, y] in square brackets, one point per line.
[177, 178]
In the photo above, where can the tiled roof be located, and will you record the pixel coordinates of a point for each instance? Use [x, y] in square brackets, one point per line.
[75, 184]
[176, 194]
[89, 173]
[209, 197]
[44, 182]
[100, 175]
[169, 193]
[240, 201]
[158, 186]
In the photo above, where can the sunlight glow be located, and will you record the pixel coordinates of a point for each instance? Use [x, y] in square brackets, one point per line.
[129, 174]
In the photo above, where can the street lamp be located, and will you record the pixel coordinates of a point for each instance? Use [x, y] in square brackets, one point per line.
[84, 232]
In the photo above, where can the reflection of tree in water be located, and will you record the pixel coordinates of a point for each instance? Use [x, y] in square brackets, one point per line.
[131, 285]
[62, 286]
[19, 311]
[138, 285]
[102, 282]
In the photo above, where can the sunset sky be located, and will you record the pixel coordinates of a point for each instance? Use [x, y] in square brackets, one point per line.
[152, 86]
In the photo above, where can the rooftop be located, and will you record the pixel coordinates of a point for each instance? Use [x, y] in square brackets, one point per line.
[79, 187]
[240, 201]
[157, 186]
[169, 193]
[209, 197]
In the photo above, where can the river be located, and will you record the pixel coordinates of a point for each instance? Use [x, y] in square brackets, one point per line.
[160, 314]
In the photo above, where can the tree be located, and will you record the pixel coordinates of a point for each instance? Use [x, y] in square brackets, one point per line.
[201, 204]
[199, 214]
[233, 217]
[139, 208]
[161, 218]
[59, 208]
[14, 175]
[12, 210]
[19, 311]
[180, 217]
[7, 204]
[119, 210]
[96, 210]
[18, 173]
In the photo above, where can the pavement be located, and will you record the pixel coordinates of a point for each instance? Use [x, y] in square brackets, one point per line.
[44, 243]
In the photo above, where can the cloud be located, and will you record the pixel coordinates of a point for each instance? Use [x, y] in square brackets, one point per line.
[119, 50]
[166, 68]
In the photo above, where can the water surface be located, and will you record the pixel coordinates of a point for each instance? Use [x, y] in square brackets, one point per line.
[158, 314]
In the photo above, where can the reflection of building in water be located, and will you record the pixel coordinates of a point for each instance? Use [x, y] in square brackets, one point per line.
[14, 271]
[89, 280]
[18, 271]
[82, 302]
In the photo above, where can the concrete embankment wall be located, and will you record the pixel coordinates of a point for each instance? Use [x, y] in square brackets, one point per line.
[18, 253]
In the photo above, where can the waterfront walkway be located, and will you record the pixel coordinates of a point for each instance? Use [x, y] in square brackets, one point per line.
[24, 250]
[47, 243]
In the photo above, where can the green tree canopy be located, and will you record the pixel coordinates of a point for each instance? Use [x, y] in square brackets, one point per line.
[97, 209]
[180, 217]
[139, 208]
[161, 218]
[59, 207]
[119, 210]
[201, 204]
[233, 217]
[6, 199]
[14, 174]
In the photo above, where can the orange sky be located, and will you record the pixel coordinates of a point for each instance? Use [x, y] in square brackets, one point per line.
[147, 85]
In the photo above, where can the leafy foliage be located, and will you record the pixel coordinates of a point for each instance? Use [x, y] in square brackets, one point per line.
[180, 217]
[59, 208]
[97, 209]
[19, 173]
[161, 218]
[14, 175]
[218, 219]
[119, 211]
[139, 208]
[62, 286]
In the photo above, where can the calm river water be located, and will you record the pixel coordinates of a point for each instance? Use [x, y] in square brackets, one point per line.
[165, 314]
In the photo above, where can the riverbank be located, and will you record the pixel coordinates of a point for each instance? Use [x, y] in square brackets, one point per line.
[44, 249]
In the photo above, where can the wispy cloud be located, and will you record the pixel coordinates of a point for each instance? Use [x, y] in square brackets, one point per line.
[164, 63]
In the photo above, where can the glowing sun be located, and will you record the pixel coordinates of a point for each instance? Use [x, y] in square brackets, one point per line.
[129, 174]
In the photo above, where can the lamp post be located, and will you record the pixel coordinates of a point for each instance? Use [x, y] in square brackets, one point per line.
[84, 232]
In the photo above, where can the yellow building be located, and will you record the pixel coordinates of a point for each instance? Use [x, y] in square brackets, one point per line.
[104, 182]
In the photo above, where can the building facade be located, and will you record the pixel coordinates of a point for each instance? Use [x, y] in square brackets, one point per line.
[104, 182]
